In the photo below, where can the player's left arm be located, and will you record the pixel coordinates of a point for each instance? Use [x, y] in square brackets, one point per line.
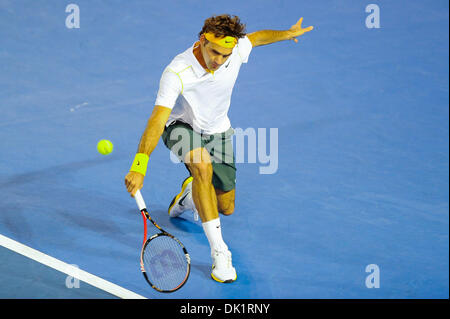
[264, 37]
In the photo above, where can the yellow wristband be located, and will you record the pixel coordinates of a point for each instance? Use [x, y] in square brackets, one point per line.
[140, 163]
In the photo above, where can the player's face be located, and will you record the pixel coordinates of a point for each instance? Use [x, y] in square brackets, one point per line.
[214, 55]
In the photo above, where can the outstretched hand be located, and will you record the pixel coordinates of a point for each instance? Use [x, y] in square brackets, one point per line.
[296, 30]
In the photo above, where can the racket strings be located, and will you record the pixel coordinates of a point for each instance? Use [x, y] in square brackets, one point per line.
[165, 263]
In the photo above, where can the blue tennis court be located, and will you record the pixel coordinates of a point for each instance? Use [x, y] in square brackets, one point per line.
[359, 172]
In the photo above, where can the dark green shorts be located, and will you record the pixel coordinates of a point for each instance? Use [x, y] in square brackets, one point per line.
[180, 138]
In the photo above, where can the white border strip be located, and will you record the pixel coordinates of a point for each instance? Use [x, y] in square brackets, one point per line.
[68, 269]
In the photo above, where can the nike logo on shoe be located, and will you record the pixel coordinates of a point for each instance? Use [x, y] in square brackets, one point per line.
[182, 200]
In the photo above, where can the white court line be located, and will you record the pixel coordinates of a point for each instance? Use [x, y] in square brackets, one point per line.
[68, 269]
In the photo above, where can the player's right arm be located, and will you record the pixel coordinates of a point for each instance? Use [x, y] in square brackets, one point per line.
[170, 87]
[149, 140]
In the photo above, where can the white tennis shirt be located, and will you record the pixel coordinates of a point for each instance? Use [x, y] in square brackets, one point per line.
[197, 97]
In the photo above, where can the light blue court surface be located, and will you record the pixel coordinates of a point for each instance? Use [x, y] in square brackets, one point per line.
[363, 148]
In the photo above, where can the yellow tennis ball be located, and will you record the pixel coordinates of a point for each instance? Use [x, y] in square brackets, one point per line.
[105, 147]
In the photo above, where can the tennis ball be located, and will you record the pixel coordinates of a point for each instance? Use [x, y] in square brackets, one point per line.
[104, 147]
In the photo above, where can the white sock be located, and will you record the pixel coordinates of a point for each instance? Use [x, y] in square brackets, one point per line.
[213, 232]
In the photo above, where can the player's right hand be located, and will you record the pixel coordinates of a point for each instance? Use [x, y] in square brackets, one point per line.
[134, 181]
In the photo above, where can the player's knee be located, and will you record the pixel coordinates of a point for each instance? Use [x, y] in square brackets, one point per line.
[227, 209]
[201, 171]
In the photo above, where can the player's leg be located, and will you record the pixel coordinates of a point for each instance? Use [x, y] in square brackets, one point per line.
[181, 139]
[224, 169]
[219, 151]
[224, 182]
[205, 199]
[199, 189]
[183, 200]
[225, 201]
[199, 164]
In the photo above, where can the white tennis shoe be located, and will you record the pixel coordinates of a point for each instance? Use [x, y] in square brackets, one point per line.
[222, 269]
[183, 201]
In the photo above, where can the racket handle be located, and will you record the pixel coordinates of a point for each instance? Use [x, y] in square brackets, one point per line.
[139, 200]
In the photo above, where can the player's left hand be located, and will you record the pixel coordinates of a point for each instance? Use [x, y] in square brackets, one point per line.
[296, 30]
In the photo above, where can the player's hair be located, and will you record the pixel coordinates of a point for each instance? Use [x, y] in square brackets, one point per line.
[224, 25]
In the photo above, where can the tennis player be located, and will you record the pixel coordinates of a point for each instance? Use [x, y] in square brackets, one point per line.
[190, 115]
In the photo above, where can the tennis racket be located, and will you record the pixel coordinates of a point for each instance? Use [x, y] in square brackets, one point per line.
[165, 262]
